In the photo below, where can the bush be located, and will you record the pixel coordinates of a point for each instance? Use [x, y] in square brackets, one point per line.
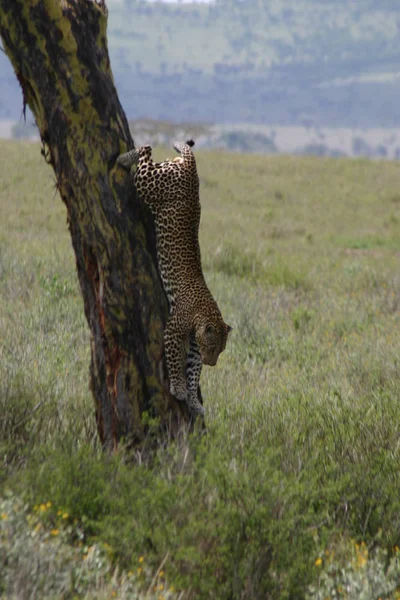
[358, 574]
[43, 554]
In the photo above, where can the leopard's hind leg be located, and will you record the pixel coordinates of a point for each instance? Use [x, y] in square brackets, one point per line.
[128, 159]
[135, 157]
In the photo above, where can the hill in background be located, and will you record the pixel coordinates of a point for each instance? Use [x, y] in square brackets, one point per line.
[261, 139]
[309, 64]
[319, 141]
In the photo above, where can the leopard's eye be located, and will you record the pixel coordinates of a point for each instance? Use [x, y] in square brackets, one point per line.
[210, 330]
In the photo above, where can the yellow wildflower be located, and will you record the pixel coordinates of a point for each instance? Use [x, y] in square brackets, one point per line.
[54, 532]
[130, 573]
[139, 570]
[161, 574]
[59, 513]
[42, 508]
[65, 516]
[318, 562]
[361, 560]
[141, 559]
[4, 516]
[171, 589]
[160, 587]
[48, 504]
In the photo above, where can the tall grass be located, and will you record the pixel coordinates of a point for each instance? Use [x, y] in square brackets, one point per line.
[293, 492]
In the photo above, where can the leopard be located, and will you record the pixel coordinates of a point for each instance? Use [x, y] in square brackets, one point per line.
[195, 332]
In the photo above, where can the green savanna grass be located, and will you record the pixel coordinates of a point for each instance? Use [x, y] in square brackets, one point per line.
[301, 458]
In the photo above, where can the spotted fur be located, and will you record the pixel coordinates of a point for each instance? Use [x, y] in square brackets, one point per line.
[195, 332]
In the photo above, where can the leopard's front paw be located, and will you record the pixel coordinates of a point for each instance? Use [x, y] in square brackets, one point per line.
[179, 391]
[194, 405]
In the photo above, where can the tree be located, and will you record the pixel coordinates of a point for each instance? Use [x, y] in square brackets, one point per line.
[58, 49]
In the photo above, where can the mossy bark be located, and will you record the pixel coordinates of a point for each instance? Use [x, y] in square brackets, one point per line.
[58, 49]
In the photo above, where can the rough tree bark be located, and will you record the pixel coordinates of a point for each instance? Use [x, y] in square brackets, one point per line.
[58, 49]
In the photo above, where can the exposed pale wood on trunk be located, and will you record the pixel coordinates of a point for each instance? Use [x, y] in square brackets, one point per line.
[58, 49]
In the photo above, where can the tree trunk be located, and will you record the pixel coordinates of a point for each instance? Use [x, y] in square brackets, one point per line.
[58, 49]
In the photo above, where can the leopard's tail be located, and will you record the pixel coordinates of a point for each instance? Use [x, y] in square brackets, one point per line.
[185, 149]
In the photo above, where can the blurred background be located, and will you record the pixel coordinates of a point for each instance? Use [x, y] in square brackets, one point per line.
[296, 76]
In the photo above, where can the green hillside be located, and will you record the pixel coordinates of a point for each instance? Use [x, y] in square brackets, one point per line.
[279, 62]
[294, 491]
[252, 35]
[317, 61]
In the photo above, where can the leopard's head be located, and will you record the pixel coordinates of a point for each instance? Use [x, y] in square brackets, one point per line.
[211, 338]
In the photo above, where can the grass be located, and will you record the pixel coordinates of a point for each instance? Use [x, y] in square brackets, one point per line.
[294, 491]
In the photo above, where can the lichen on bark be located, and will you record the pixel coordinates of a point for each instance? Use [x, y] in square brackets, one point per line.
[58, 49]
